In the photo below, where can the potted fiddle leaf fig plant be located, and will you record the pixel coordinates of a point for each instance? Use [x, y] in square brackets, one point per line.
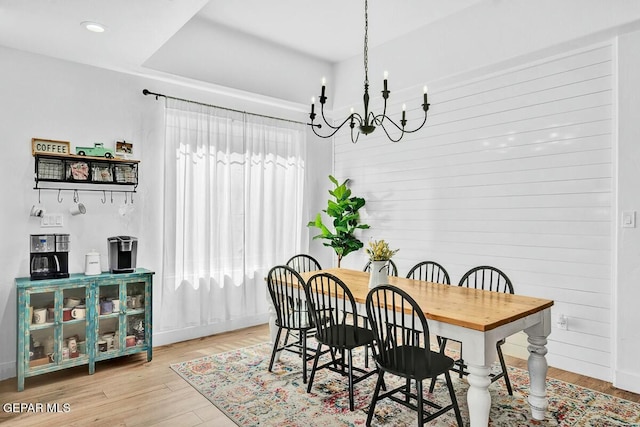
[343, 208]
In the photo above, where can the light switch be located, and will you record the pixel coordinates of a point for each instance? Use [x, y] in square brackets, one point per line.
[629, 219]
[52, 220]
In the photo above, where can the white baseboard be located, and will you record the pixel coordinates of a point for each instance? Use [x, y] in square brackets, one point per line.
[629, 381]
[184, 334]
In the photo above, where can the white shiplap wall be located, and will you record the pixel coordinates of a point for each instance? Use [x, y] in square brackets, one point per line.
[513, 169]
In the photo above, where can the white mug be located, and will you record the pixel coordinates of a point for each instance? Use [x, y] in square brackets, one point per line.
[39, 315]
[77, 209]
[79, 312]
[116, 305]
[38, 210]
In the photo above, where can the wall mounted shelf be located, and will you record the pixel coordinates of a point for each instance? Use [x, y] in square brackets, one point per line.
[73, 172]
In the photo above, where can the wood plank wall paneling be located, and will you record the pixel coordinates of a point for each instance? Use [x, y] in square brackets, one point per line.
[514, 170]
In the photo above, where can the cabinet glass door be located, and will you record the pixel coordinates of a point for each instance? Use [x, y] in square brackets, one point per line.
[135, 319]
[73, 315]
[43, 331]
[109, 308]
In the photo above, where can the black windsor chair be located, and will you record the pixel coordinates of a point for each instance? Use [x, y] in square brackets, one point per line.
[303, 263]
[286, 289]
[402, 338]
[489, 279]
[335, 314]
[429, 271]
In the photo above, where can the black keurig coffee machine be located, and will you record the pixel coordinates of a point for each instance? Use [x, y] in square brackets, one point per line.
[122, 254]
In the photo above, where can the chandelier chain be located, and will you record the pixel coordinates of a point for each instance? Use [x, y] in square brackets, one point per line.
[366, 42]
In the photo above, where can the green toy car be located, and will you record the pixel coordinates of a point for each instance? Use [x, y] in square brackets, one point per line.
[97, 150]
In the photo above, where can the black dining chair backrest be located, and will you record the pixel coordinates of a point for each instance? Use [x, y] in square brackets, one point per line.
[333, 308]
[429, 271]
[487, 278]
[401, 333]
[286, 289]
[303, 263]
[393, 269]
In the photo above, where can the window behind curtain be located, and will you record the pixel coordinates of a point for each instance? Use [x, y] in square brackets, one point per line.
[234, 190]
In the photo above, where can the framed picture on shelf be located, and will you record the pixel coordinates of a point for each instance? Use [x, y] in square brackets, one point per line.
[124, 150]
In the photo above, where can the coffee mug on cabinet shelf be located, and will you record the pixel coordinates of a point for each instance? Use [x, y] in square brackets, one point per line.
[79, 312]
[39, 316]
[106, 307]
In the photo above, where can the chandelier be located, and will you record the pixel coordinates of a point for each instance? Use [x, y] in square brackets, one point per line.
[367, 122]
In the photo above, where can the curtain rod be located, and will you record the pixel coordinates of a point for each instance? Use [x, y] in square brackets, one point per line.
[148, 92]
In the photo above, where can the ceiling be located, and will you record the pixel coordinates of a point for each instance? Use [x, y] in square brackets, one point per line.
[281, 48]
[137, 29]
[314, 26]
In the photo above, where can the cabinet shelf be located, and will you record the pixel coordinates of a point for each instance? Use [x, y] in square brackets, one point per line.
[36, 327]
[56, 170]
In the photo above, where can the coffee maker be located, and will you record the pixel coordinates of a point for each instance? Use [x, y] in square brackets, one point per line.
[122, 254]
[49, 256]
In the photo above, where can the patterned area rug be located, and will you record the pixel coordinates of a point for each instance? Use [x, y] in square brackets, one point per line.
[239, 384]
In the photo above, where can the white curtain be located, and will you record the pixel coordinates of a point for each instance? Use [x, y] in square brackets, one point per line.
[234, 194]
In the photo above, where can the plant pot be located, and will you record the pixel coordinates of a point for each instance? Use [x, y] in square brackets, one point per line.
[378, 273]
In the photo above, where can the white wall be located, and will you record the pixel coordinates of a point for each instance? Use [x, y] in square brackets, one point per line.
[514, 170]
[53, 99]
[425, 194]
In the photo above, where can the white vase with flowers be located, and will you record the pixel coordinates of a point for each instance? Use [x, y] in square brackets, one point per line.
[379, 255]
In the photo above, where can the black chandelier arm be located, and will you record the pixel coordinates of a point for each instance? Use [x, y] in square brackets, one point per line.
[325, 119]
[335, 128]
[387, 133]
[357, 117]
[380, 118]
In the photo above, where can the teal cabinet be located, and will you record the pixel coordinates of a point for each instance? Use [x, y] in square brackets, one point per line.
[82, 320]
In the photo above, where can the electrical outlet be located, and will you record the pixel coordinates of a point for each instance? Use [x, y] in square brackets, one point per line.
[563, 322]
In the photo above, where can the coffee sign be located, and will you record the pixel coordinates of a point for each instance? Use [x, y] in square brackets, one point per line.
[49, 146]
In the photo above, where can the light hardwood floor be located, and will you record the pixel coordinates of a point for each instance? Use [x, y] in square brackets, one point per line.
[131, 392]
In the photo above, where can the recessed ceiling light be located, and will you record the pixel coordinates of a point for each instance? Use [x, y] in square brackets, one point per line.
[93, 26]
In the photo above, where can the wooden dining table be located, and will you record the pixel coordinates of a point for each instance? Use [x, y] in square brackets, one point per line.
[478, 319]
